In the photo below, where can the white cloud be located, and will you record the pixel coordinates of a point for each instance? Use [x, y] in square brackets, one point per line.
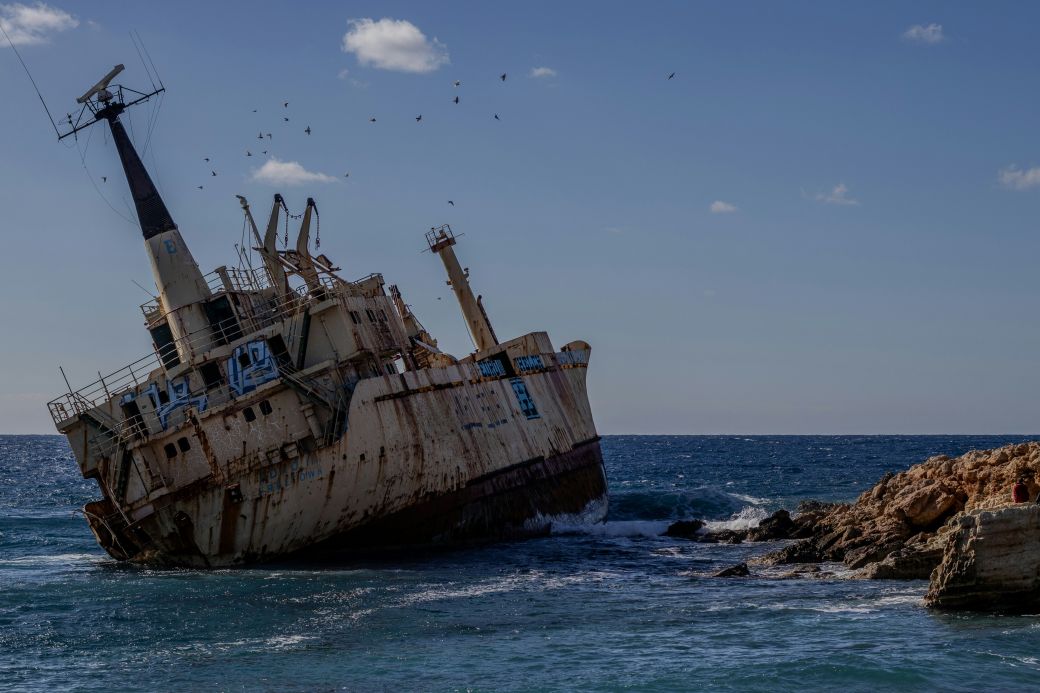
[921, 33]
[393, 44]
[277, 172]
[543, 72]
[1018, 179]
[720, 207]
[839, 195]
[31, 24]
[343, 74]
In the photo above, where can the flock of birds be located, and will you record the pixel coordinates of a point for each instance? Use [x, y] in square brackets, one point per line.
[261, 135]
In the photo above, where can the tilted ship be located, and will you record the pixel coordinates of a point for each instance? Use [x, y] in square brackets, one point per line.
[287, 410]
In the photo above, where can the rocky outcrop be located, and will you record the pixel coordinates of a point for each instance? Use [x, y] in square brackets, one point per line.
[991, 562]
[898, 529]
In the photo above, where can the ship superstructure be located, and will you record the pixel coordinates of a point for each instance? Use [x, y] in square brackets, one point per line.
[286, 409]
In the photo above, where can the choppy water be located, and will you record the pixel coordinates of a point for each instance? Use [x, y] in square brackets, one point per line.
[602, 608]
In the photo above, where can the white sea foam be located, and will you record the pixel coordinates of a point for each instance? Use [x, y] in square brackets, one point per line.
[591, 515]
[747, 518]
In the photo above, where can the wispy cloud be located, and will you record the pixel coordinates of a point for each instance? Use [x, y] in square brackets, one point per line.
[838, 195]
[720, 207]
[277, 172]
[343, 74]
[31, 24]
[543, 72]
[394, 44]
[1019, 179]
[925, 33]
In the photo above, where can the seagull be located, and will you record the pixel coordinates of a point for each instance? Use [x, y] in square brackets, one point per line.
[213, 173]
[496, 117]
[418, 118]
[205, 158]
[371, 120]
[671, 75]
[264, 152]
[285, 119]
[503, 77]
[456, 83]
[346, 175]
[308, 129]
[104, 179]
[200, 187]
[451, 203]
[249, 153]
[285, 105]
[456, 99]
[260, 136]
[254, 110]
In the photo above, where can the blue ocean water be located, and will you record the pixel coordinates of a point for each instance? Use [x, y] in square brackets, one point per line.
[609, 607]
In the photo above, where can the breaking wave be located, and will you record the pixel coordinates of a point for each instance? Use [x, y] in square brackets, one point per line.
[704, 502]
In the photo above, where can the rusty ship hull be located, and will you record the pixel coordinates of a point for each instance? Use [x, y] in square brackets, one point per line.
[442, 455]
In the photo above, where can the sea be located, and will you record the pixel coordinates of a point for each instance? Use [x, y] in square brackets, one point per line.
[604, 607]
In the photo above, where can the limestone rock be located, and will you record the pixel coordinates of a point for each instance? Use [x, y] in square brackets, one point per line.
[888, 531]
[991, 562]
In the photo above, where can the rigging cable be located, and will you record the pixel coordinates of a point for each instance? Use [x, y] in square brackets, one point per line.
[29, 74]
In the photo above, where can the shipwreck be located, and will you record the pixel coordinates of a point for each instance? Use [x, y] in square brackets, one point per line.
[285, 409]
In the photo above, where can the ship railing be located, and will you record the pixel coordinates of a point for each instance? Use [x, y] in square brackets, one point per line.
[263, 314]
[74, 403]
[219, 280]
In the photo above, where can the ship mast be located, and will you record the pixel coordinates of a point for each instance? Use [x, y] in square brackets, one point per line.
[182, 289]
[441, 241]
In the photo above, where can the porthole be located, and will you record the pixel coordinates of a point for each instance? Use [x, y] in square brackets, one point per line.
[171, 451]
[249, 414]
[265, 408]
[183, 444]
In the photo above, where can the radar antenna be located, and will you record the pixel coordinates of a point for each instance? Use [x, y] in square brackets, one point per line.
[102, 103]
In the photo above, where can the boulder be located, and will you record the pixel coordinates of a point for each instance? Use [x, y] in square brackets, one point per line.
[777, 526]
[739, 570]
[991, 562]
[684, 529]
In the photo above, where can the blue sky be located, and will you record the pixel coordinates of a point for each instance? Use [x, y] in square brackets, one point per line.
[825, 223]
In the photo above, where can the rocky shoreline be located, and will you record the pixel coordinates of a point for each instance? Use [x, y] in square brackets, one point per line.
[946, 519]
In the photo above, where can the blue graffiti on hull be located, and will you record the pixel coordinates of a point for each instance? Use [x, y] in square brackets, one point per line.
[529, 363]
[250, 366]
[524, 398]
[180, 395]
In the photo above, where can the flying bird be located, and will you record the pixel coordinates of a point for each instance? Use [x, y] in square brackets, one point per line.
[503, 77]
[285, 105]
[285, 119]
[200, 187]
[371, 120]
[307, 129]
[104, 179]
[346, 175]
[496, 117]
[456, 99]
[268, 135]
[213, 173]
[249, 153]
[205, 158]
[260, 136]
[264, 152]
[254, 110]
[456, 83]
[418, 118]
[451, 203]
[671, 75]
